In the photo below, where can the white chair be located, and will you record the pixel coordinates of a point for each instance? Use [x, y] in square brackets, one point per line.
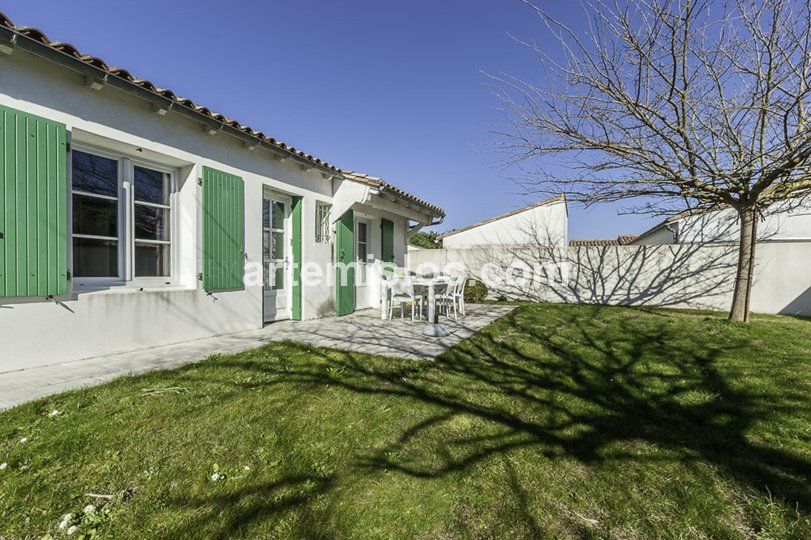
[453, 297]
[401, 290]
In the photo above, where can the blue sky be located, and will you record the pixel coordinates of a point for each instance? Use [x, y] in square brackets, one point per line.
[394, 89]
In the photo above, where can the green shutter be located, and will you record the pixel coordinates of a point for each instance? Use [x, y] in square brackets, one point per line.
[33, 205]
[296, 224]
[387, 240]
[223, 230]
[345, 253]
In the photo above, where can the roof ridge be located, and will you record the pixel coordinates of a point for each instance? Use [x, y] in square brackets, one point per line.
[544, 202]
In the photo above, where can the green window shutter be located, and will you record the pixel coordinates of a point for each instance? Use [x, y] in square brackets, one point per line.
[296, 226]
[387, 240]
[223, 230]
[345, 253]
[33, 205]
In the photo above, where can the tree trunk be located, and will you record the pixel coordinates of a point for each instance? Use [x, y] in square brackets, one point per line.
[746, 266]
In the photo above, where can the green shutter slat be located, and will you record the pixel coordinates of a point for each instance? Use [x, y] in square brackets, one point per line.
[33, 205]
[297, 235]
[345, 246]
[223, 230]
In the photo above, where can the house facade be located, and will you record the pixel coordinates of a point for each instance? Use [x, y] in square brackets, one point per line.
[544, 223]
[131, 217]
[723, 226]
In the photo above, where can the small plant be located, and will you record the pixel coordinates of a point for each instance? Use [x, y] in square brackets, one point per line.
[86, 523]
[475, 291]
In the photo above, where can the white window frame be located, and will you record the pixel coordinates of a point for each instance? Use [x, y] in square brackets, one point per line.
[126, 226]
[362, 265]
[323, 233]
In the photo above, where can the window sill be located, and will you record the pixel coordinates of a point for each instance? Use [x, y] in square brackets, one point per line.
[128, 288]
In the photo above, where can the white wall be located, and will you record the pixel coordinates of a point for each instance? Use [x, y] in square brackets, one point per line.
[679, 275]
[794, 224]
[84, 323]
[548, 222]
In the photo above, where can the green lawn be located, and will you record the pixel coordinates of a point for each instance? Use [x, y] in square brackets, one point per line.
[561, 421]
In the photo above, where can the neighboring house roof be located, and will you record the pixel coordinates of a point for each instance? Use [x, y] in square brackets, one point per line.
[551, 200]
[172, 99]
[622, 240]
[670, 220]
[383, 186]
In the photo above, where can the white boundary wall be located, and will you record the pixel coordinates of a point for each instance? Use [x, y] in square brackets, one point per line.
[679, 275]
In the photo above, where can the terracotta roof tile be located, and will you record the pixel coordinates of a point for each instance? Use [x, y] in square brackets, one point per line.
[381, 184]
[69, 49]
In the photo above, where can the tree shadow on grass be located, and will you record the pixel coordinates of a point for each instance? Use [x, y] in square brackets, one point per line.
[255, 503]
[576, 386]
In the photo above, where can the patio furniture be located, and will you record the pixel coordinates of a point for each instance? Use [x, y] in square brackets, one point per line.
[433, 328]
[453, 298]
[400, 290]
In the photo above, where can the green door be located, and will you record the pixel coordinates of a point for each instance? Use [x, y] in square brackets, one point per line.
[344, 269]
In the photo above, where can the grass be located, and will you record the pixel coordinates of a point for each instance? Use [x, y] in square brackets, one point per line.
[555, 421]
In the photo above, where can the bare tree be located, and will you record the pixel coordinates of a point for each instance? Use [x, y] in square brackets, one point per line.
[672, 104]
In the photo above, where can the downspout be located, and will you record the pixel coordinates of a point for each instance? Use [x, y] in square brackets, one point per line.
[674, 230]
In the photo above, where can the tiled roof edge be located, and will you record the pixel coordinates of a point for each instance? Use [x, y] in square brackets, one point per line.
[124, 75]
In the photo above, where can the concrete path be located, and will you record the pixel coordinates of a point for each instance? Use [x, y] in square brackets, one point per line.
[362, 331]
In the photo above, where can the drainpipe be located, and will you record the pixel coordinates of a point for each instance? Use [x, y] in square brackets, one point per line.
[674, 228]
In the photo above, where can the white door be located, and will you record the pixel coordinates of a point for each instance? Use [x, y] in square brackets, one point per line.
[362, 252]
[276, 257]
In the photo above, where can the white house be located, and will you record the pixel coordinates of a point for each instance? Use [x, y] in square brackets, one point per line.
[544, 222]
[703, 227]
[131, 217]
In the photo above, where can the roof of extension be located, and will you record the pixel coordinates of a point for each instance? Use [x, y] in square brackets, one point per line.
[551, 200]
[382, 185]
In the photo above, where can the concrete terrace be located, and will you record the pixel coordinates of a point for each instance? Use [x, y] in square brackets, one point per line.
[362, 331]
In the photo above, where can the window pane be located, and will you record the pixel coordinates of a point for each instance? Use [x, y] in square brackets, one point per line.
[266, 245]
[278, 215]
[265, 213]
[151, 186]
[278, 282]
[92, 215]
[95, 174]
[95, 258]
[362, 252]
[151, 223]
[361, 232]
[151, 259]
[278, 245]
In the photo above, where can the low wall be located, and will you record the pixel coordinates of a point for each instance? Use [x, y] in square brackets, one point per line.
[680, 275]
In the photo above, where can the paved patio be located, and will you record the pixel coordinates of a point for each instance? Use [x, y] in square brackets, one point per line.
[362, 331]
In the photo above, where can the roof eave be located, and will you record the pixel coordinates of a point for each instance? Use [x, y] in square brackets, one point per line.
[418, 206]
[19, 40]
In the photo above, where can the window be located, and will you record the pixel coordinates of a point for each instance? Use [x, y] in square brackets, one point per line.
[362, 249]
[95, 216]
[118, 234]
[322, 223]
[151, 213]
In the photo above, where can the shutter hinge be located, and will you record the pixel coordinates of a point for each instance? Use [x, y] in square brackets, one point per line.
[70, 276]
[200, 181]
[67, 145]
[200, 276]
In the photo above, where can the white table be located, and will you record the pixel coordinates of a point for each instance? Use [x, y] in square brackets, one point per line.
[433, 328]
